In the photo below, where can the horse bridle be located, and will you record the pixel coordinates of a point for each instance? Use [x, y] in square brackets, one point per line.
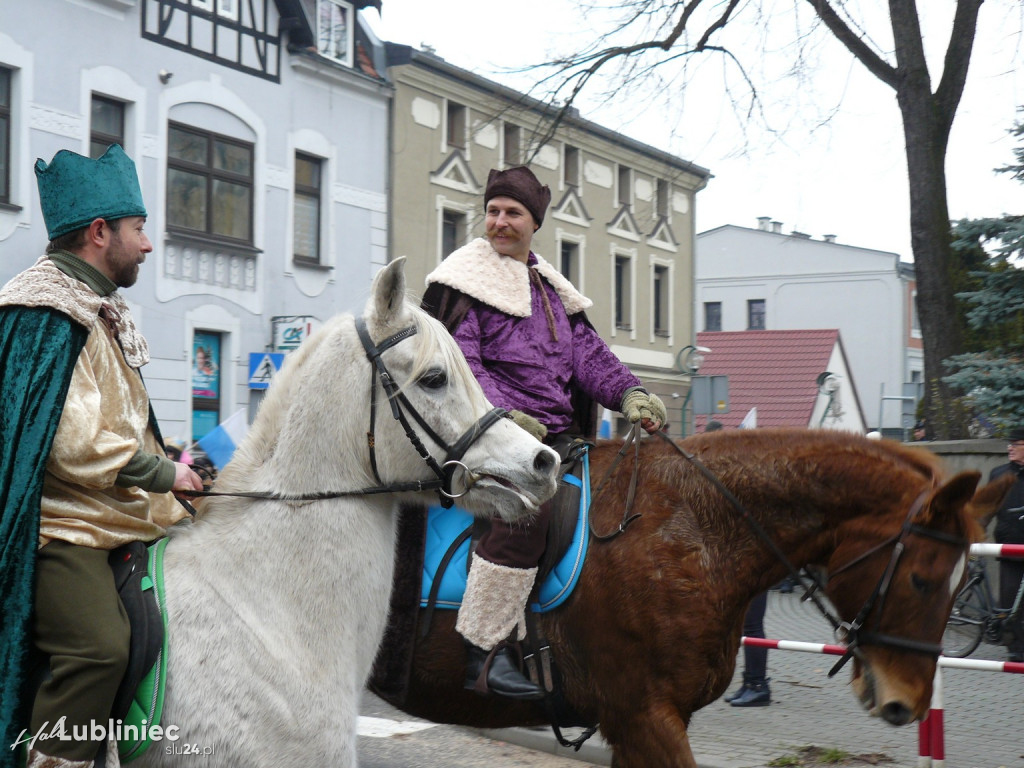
[396, 397]
[852, 634]
[444, 472]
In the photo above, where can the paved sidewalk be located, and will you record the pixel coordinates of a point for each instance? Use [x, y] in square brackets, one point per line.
[984, 716]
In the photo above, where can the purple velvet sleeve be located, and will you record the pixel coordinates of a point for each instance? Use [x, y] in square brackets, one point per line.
[596, 369]
[467, 336]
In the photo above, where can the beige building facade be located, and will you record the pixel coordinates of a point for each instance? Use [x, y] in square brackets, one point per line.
[620, 225]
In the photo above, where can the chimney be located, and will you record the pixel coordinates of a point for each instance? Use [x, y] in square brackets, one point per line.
[762, 223]
[829, 238]
[777, 227]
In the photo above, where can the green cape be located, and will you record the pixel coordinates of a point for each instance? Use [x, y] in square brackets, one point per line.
[38, 351]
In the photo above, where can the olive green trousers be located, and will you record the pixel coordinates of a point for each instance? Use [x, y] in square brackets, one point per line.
[82, 626]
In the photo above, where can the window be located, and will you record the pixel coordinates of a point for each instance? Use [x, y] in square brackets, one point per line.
[661, 193]
[512, 145]
[569, 261]
[661, 290]
[106, 125]
[209, 183]
[306, 235]
[334, 30]
[206, 346]
[915, 320]
[625, 185]
[712, 315]
[571, 166]
[226, 8]
[453, 231]
[5, 135]
[623, 291]
[755, 315]
[456, 125]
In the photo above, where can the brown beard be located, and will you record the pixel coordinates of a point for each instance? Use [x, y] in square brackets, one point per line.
[123, 266]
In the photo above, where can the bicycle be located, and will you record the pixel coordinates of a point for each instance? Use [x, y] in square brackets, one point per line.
[975, 615]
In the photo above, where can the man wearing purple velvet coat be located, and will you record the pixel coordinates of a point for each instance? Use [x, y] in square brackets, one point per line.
[522, 327]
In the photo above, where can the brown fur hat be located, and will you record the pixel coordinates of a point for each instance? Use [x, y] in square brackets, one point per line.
[520, 184]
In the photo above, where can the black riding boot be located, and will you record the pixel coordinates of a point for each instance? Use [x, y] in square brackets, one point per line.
[757, 694]
[503, 676]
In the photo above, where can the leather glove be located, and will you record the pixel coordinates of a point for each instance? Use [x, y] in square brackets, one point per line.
[530, 424]
[639, 405]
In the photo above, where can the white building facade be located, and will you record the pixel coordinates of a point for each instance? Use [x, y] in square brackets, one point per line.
[260, 133]
[760, 278]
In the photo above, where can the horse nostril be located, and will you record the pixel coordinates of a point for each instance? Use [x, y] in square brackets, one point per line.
[544, 461]
[896, 713]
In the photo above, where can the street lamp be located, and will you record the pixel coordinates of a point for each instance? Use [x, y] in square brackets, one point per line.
[689, 359]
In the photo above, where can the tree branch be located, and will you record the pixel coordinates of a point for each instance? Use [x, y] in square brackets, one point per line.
[875, 64]
[957, 60]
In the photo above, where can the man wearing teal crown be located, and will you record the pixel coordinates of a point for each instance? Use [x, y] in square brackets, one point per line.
[82, 470]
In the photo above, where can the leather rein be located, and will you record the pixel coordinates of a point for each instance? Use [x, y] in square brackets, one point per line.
[852, 634]
[444, 471]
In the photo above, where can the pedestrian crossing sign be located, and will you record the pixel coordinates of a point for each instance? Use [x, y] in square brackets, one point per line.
[262, 367]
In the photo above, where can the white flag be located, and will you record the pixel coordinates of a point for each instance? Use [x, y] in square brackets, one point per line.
[750, 420]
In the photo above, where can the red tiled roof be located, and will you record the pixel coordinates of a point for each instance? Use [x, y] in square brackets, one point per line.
[773, 371]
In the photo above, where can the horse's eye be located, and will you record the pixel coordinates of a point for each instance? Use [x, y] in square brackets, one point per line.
[435, 378]
[920, 584]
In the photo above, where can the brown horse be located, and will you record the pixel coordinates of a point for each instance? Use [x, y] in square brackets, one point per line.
[651, 632]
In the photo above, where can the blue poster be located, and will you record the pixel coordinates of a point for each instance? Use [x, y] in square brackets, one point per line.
[206, 365]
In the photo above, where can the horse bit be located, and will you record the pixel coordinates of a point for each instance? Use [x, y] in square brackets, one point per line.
[444, 472]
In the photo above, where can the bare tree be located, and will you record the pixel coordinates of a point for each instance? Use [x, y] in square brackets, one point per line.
[651, 33]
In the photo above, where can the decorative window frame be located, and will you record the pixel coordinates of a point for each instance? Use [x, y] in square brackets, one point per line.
[630, 254]
[350, 22]
[18, 211]
[578, 185]
[507, 162]
[442, 204]
[580, 241]
[226, 8]
[447, 147]
[670, 266]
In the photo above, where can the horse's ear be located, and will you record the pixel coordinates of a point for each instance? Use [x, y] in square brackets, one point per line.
[987, 500]
[951, 497]
[389, 292]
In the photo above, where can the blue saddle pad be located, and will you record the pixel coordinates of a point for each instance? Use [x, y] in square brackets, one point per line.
[445, 525]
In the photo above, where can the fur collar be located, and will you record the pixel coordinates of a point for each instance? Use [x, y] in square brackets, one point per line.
[44, 285]
[479, 271]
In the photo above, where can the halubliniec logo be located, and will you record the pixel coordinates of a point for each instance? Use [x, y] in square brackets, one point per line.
[94, 731]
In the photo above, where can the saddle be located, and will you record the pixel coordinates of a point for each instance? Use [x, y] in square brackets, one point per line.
[406, 622]
[130, 564]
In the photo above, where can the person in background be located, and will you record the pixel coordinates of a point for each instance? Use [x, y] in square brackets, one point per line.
[754, 691]
[523, 330]
[920, 431]
[1010, 530]
[82, 466]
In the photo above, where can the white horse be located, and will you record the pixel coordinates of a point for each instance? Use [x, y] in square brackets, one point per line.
[276, 608]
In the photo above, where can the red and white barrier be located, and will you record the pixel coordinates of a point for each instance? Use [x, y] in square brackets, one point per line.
[931, 741]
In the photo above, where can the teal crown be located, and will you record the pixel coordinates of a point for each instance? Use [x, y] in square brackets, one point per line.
[74, 190]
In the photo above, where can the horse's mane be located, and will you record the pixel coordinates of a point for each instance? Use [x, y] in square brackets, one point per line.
[261, 441]
[774, 457]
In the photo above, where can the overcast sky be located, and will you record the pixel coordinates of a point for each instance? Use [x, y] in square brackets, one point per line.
[832, 161]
